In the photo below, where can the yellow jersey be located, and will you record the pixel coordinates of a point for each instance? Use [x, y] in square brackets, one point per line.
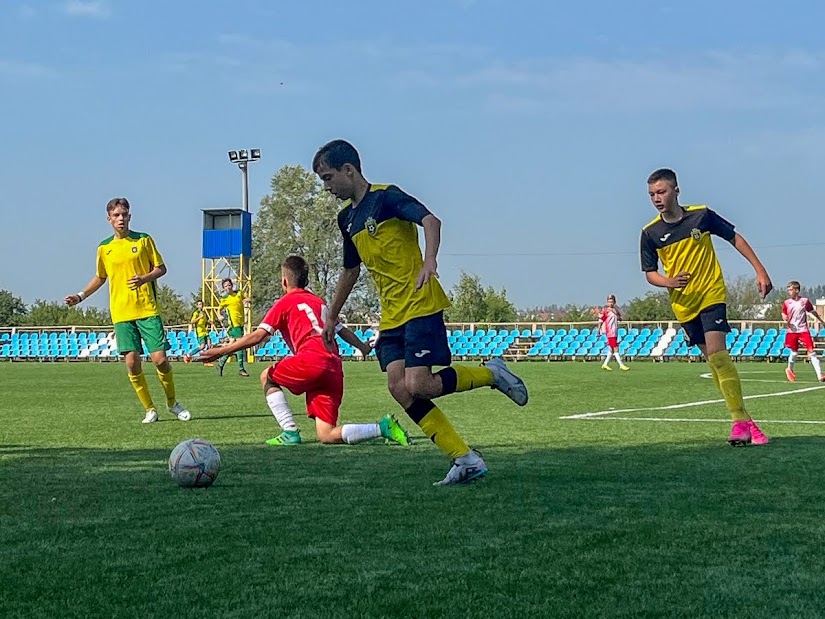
[382, 231]
[201, 323]
[233, 304]
[686, 246]
[118, 260]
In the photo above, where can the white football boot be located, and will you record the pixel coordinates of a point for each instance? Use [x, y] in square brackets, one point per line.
[465, 469]
[151, 416]
[181, 413]
[507, 382]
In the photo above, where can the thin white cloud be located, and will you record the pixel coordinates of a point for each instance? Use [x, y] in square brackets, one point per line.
[18, 68]
[87, 8]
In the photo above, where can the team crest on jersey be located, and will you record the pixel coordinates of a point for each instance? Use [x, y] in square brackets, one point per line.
[696, 234]
[371, 226]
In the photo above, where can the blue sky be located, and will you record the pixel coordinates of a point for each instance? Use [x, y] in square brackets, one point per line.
[528, 127]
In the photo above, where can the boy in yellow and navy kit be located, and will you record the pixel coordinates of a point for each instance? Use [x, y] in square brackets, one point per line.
[680, 237]
[232, 304]
[379, 225]
[131, 263]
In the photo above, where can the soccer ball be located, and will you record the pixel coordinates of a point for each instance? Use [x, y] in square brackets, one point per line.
[194, 463]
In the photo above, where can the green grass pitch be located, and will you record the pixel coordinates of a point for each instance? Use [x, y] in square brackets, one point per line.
[650, 515]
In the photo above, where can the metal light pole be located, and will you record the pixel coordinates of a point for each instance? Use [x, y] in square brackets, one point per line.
[242, 158]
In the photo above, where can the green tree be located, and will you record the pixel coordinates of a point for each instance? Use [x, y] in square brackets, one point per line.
[472, 302]
[12, 309]
[173, 309]
[299, 217]
[578, 313]
[653, 307]
[57, 313]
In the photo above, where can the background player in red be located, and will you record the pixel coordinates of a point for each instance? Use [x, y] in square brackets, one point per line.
[313, 368]
[609, 325]
[795, 312]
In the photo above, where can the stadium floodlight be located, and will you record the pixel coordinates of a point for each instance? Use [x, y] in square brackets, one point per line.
[242, 158]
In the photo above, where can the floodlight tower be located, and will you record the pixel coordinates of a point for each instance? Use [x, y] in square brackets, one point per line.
[227, 243]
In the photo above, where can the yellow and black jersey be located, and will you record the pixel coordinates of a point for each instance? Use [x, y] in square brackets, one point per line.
[686, 246]
[118, 260]
[381, 232]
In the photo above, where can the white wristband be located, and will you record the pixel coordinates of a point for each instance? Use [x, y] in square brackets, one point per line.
[82, 295]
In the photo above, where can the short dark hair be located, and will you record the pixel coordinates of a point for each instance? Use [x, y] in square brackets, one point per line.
[663, 174]
[297, 271]
[115, 202]
[335, 154]
[227, 279]
[794, 283]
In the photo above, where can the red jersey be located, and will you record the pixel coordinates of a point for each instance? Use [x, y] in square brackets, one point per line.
[609, 321]
[299, 315]
[797, 312]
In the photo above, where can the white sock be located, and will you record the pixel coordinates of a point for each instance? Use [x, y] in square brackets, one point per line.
[607, 357]
[618, 358]
[352, 433]
[277, 404]
[791, 360]
[815, 363]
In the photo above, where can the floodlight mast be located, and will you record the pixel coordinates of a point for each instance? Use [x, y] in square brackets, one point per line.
[241, 158]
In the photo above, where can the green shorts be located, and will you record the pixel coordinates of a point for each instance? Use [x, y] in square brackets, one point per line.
[202, 339]
[236, 332]
[149, 330]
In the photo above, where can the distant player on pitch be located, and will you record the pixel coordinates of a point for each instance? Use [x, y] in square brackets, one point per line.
[795, 312]
[680, 237]
[314, 368]
[130, 262]
[609, 325]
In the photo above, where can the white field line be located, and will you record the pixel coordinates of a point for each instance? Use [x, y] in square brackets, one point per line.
[599, 414]
[760, 420]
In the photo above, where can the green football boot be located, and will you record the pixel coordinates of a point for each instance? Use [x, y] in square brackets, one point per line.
[287, 437]
[392, 430]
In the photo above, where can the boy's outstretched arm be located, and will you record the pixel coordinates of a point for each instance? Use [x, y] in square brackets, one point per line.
[763, 280]
[242, 343]
[353, 340]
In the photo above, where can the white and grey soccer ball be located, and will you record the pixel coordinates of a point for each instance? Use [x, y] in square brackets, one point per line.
[194, 463]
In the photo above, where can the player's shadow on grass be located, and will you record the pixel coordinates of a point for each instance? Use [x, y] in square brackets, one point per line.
[207, 417]
[644, 527]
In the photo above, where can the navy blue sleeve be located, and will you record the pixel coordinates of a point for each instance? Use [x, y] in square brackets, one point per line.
[650, 259]
[720, 226]
[404, 206]
[352, 258]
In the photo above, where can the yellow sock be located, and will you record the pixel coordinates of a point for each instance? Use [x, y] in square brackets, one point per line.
[435, 425]
[729, 384]
[464, 378]
[168, 382]
[141, 388]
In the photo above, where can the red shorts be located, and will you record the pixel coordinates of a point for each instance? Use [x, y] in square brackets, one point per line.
[792, 340]
[321, 377]
[613, 342]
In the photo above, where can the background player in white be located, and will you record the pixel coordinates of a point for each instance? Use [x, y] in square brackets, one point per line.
[609, 325]
[795, 312]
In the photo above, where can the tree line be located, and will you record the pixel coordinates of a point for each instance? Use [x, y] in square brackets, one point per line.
[298, 217]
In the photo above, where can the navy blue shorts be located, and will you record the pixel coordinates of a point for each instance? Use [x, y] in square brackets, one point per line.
[420, 342]
[712, 318]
